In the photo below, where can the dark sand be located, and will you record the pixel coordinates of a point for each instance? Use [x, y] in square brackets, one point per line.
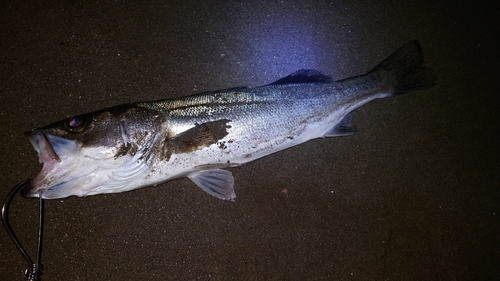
[414, 195]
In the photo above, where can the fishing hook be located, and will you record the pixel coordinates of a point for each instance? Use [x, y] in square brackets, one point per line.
[34, 270]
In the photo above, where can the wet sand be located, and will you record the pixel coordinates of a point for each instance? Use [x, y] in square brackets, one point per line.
[414, 195]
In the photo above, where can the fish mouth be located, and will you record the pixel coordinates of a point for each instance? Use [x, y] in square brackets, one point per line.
[52, 151]
[43, 146]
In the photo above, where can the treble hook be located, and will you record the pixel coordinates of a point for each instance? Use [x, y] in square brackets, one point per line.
[34, 270]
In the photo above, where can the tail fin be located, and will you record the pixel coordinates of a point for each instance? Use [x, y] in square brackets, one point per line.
[404, 71]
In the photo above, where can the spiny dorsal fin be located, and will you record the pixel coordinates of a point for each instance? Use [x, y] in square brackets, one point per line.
[304, 76]
[234, 89]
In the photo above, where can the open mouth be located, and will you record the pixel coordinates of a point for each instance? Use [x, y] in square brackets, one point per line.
[51, 151]
[42, 145]
[46, 155]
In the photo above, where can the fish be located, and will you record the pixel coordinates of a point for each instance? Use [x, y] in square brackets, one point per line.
[200, 136]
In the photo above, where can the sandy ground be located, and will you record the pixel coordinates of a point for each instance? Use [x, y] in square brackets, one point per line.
[414, 195]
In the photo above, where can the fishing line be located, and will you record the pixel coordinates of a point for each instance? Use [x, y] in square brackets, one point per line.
[34, 270]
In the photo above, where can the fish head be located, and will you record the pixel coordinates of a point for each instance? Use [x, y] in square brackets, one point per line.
[81, 155]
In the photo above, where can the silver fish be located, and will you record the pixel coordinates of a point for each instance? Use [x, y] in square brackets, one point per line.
[147, 143]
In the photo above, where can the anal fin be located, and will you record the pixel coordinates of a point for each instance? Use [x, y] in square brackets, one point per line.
[216, 182]
[343, 128]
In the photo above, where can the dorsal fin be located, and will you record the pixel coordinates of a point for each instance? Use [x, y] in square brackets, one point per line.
[234, 89]
[304, 76]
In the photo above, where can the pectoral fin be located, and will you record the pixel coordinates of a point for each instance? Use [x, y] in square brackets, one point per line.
[200, 136]
[216, 182]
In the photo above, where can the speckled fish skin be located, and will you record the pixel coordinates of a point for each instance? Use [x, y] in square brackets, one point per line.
[147, 143]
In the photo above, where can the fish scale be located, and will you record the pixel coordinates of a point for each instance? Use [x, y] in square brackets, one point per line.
[199, 136]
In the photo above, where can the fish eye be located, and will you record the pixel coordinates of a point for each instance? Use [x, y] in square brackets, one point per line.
[75, 124]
